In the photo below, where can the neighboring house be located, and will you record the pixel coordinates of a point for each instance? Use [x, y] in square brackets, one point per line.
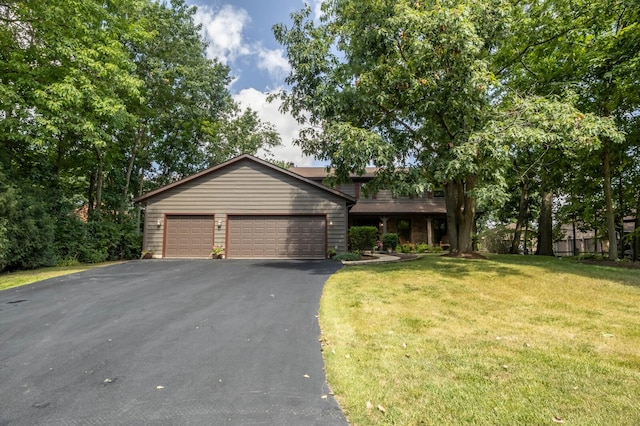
[586, 242]
[415, 219]
[250, 207]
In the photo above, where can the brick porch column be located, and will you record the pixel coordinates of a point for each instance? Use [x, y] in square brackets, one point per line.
[430, 231]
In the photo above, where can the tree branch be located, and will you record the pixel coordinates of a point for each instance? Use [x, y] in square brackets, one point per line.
[395, 118]
[531, 46]
[526, 67]
[619, 21]
[451, 135]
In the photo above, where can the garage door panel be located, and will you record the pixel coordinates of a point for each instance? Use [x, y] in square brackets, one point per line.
[189, 236]
[277, 237]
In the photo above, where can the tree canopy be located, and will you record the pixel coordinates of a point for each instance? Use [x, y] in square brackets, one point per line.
[100, 101]
[443, 94]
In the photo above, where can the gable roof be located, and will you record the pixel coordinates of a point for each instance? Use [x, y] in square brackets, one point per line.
[244, 157]
[320, 173]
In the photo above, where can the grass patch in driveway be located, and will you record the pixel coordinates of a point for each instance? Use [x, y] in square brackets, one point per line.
[16, 279]
[508, 340]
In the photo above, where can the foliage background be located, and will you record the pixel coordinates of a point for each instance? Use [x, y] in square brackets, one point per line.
[100, 102]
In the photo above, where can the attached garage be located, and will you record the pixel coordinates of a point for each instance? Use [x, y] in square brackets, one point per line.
[276, 237]
[251, 208]
[188, 235]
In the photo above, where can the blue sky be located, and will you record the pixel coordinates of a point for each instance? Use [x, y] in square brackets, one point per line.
[239, 34]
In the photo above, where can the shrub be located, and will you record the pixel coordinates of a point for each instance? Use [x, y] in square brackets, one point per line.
[498, 240]
[111, 241]
[407, 248]
[422, 248]
[390, 241]
[27, 230]
[363, 237]
[39, 228]
[347, 256]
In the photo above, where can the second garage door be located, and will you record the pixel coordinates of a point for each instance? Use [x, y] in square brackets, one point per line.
[276, 237]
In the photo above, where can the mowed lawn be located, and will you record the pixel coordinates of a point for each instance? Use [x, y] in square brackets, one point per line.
[20, 278]
[511, 340]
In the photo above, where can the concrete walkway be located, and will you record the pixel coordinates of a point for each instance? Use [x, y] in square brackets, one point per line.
[380, 258]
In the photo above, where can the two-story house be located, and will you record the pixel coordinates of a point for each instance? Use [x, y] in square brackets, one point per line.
[249, 208]
[415, 219]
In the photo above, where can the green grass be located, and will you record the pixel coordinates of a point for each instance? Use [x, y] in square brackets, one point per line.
[16, 279]
[509, 340]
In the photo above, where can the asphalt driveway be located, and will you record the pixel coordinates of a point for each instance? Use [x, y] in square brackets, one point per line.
[167, 342]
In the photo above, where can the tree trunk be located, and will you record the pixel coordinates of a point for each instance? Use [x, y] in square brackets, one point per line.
[99, 182]
[461, 214]
[575, 246]
[451, 199]
[130, 166]
[608, 199]
[636, 235]
[545, 226]
[522, 217]
[91, 199]
[138, 207]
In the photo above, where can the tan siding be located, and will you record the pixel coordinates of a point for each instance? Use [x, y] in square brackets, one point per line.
[245, 188]
[348, 188]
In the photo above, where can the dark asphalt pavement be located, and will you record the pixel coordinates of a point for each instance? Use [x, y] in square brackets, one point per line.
[168, 342]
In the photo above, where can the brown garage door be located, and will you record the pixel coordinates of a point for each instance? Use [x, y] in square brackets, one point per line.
[189, 236]
[275, 237]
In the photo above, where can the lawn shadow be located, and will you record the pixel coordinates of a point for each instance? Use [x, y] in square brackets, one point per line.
[444, 265]
[559, 265]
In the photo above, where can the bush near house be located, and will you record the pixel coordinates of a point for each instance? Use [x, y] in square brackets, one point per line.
[349, 257]
[406, 248]
[363, 237]
[422, 248]
[417, 248]
[390, 241]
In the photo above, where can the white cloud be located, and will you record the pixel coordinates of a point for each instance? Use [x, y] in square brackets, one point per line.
[222, 29]
[274, 62]
[285, 125]
[316, 7]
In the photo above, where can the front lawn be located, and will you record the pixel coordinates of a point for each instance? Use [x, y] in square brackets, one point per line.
[19, 278]
[509, 340]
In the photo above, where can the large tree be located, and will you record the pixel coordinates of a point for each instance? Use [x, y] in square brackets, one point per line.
[401, 85]
[411, 86]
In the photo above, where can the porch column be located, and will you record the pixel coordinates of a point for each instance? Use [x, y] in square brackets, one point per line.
[430, 231]
[384, 224]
